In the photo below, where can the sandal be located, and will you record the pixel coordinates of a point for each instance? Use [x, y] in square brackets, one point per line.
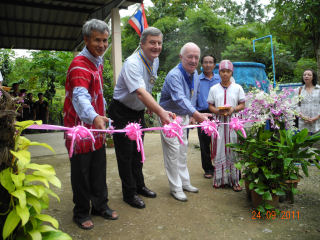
[85, 225]
[106, 214]
[237, 188]
[208, 175]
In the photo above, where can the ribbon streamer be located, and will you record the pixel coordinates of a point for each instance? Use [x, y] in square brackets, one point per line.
[133, 131]
[237, 124]
[210, 128]
[174, 129]
[76, 134]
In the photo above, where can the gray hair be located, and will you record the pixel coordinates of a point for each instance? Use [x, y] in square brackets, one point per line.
[189, 44]
[150, 31]
[94, 25]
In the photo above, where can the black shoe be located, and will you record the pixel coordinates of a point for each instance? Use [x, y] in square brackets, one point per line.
[106, 214]
[135, 201]
[144, 191]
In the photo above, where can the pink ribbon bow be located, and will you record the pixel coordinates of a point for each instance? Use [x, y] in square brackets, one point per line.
[133, 131]
[210, 128]
[237, 124]
[77, 133]
[174, 129]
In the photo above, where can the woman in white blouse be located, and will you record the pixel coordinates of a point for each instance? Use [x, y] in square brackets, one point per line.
[309, 107]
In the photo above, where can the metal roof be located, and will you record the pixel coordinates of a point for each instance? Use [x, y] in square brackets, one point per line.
[50, 24]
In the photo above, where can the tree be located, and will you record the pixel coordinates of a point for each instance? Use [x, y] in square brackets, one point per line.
[21, 73]
[253, 11]
[237, 13]
[50, 69]
[301, 66]
[6, 63]
[208, 30]
[200, 25]
[177, 8]
[297, 23]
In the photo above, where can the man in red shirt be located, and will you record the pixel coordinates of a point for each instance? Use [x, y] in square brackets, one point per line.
[85, 105]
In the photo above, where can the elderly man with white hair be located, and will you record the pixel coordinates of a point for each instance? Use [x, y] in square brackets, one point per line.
[179, 95]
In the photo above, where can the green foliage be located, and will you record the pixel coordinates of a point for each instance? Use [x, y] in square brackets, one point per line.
[129, 38]
[108, 81]
[22, 74]
[284, 63]
[253, 11]
[269, 158]
[302, 65]
[6, 63]
[158, 84]
[50, 69]
[241, 51]
[28, 185]
[250, 31]
[206, 29]
[56, 107]
[297, 24]
[177, 8]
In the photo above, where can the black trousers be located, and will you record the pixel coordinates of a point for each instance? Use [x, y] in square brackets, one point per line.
[128, 158]
[88, 181]
[205, 142]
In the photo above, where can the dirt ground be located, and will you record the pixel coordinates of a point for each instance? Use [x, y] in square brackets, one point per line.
[209, 214]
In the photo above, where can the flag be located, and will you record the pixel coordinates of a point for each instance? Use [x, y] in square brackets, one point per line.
[139, 21]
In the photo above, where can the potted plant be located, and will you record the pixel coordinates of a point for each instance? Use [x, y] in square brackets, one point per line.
[22, 201]
[297, 154]
[269, 155]
[259, 164]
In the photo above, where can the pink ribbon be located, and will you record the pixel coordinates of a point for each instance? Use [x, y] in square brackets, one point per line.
[237, 124]
[210, 128]
[133, 131]
[77, 133]
[174, 129]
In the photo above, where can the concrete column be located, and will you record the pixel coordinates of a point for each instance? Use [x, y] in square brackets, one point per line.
[116, 43]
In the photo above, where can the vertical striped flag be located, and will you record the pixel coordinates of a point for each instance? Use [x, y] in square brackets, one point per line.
[139, 21]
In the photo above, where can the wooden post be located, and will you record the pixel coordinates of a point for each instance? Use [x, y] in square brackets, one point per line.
[116, 44]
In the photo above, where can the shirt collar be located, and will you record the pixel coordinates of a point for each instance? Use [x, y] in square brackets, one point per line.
[95, 60]
[202, 76]
[188, 74]
[316, 86]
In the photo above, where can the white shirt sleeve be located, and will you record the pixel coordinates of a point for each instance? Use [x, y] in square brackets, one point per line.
[210, 98]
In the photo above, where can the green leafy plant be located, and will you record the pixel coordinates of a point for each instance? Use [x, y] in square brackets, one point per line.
[29, 187]
[269, 158]
[295, 149]
[258, 160]
[273, 152]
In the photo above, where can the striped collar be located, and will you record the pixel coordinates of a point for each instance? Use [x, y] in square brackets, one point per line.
[95, 60]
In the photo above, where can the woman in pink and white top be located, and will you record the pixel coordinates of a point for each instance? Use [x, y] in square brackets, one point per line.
[225, 100]
[309, 107]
